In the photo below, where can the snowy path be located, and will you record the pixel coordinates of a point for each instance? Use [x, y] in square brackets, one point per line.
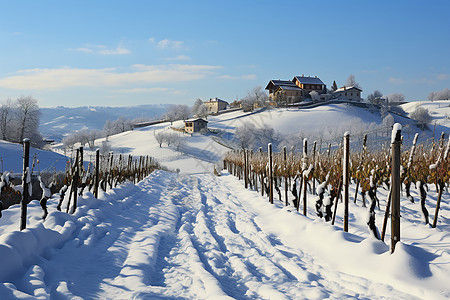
[185, 237]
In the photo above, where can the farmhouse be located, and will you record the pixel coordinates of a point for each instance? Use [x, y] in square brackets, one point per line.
[296, 90]
[196, 125]
[215, 105]
[350, 93]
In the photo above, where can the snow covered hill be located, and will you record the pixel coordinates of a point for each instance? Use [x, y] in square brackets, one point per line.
[59, 121]
[193, 235]
[11, 157]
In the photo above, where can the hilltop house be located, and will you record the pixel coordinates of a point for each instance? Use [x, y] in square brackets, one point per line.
[214, 105]
[195, 125]
[350, 93]
[296, 90]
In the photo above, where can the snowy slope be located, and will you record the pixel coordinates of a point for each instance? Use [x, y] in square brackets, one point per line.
[11, 156]
[204, 237]
[439, 110]
[57, 122]
[196, 236]
[318, 119]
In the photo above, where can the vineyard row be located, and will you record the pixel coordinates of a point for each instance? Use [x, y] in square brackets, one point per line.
[332, 170]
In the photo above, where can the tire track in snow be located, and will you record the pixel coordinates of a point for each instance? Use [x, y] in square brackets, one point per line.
[114, 253]
[266, 266]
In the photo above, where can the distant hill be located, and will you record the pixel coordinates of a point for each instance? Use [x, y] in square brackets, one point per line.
[59, 121]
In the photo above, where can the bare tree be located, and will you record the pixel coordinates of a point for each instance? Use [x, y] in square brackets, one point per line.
[160, 137]
[178, 112]
[440, 95]
[315, 96]
[352, 82]
[395, 98]
[255, 96]
[183, 112]
[5, 118]
[28, 115]
[375, 97]
[422, 116]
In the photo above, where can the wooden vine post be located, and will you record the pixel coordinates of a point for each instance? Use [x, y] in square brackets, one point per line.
[346, 177]
[76, 178]
[395, 180]
[441, 184]
[305, 179]
[314, 164]
[97, 170]
[245, 169]
[261, 161]
[285, 176]
[25, 192]
[364, 150]
[270, 174]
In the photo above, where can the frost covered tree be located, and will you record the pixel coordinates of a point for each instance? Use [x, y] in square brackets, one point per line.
[388, 122]
[375, 97]
[183, 112]
[255, 96]
[6, 116]
[178, 112]
[422, 116]
[315, 96]
[395, 98]
[245, 135]
[351, 81]
[28, 115]
[440, 95]
[199, 109]
[117, 126]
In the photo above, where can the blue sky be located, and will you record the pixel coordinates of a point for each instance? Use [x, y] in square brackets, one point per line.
[117, 53]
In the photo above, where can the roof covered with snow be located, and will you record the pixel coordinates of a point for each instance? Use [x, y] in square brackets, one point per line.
[196, 120]
[274, 84]
[308, 80]
[347, 88]
[290, 88]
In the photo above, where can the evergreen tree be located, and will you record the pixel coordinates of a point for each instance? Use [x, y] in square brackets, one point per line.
[334, 86]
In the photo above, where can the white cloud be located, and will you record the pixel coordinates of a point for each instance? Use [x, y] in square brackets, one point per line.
[54, 79]
[118, 51]
[151, 40]
[242, 77]
[169, 44]
[103, 50]
[442, 76]
[179, 58]
[143, 90]
[396, 80]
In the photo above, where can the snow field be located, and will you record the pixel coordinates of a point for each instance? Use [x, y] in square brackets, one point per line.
[205, 237]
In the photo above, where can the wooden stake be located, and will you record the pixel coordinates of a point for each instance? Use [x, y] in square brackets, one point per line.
[25, 192]
[285, 176]
[97, 170]
[270, 174]
[395, 181]
[346, 177]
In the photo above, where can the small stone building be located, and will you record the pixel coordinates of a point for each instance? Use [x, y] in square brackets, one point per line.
[196, 125]
[215, 105]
